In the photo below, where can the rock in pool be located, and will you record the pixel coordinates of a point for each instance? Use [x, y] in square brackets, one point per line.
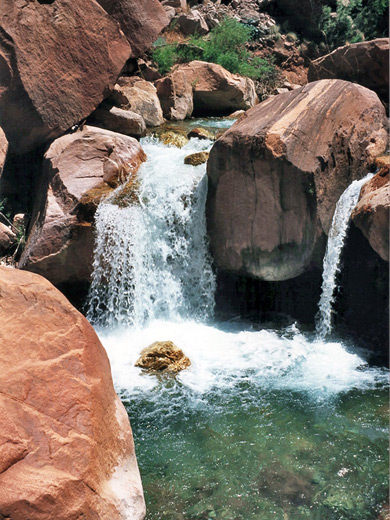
[163, 356]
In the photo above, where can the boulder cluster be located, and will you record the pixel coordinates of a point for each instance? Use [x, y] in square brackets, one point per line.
[78, 91]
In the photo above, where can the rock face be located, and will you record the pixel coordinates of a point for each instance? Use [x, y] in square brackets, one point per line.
[275, 176]
[163, 356]
[366, 63]
[141, 22]
[140, 96]
[175, 94]
[52, 76]
[371, 214]
[217, 91]
[78, 170]
[66, 447]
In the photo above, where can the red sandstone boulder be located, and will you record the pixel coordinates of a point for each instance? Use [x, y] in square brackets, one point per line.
[275, 176]
[58, 60]
[66, 447]
[141, 22]
[175, 94]
[139, 96]
[371, 214]
[366, 63]
[216, 91]
[192, 23]
[79, 170]
[121, 121]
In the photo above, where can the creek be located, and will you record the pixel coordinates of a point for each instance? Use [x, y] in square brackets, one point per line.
[268, 422]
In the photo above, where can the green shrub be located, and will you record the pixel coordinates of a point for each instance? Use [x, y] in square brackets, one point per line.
[164, 55]
[354, 20]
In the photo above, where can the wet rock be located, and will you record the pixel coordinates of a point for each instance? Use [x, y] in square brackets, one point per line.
[216, 91]
[79, 169]
[52, 76]
[175, 94]
[200, 133]
[141, 22]
[286, 487]
[366, 63]
[121, 121]
[139, 96]
[173, 139]
[192, 23]
[66, 447]
[276, 175]
[3, 150]
[7, 239]
[163, 356]
[196, 158]
[371, 214]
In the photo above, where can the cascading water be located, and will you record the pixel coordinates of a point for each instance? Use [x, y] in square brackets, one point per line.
[336, 238]
[266, 423]
[151, 257]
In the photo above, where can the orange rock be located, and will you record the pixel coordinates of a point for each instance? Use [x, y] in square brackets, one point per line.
[276, 175]
[66, 447]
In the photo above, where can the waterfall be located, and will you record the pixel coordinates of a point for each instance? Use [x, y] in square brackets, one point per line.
[336, 238]
[151, 257]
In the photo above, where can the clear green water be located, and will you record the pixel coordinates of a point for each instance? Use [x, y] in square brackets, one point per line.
[249, 454]
[247, 435]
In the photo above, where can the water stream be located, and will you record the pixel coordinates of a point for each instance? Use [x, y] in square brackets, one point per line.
[336, 238]
[267, 423]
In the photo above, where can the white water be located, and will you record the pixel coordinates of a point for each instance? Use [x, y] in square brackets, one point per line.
[336, 238]
[151, 258]
[161, 287]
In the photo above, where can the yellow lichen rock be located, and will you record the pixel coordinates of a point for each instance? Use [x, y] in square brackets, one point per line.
[196, 158]
[163, 356]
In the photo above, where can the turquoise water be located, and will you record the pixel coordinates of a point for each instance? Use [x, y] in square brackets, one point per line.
[264, 425]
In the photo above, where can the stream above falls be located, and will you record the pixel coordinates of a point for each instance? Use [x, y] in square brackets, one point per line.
[268, 422]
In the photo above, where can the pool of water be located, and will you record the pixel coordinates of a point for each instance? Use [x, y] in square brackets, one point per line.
[265, 424]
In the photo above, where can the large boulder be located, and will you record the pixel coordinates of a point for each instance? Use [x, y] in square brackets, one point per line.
[141, 22]
[275, 176]
[371, 214]
[66, 447]
[119, 120]
[79, 169]
[51, 73]
[175, 94]
[216, 91]
[366, 63]
[139, 96]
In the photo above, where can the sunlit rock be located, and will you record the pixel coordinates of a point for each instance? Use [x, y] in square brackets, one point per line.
[163, 356]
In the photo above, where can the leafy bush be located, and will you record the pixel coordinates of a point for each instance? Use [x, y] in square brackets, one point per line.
[164, 55]
[354, 20]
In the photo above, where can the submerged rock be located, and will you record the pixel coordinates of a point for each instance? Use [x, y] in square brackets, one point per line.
[196, 158]
[163, 356]
[171, 138]
[276, 175]
[78, 171]
[66, 447]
